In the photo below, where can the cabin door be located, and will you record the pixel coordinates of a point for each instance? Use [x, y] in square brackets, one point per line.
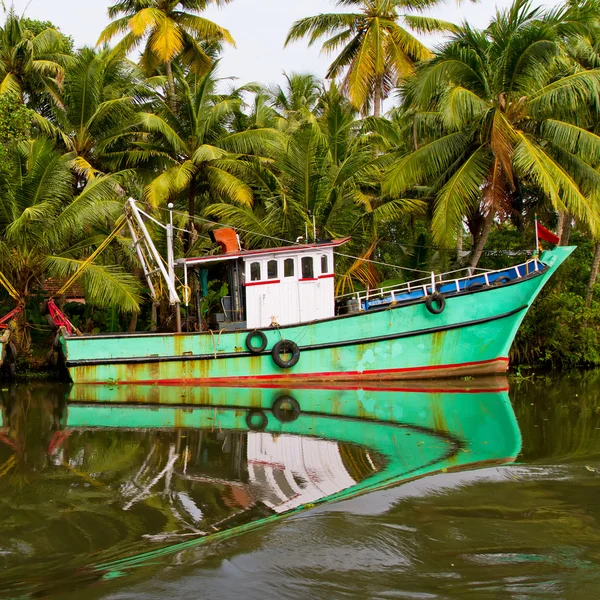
[289, 304]
[309, 292]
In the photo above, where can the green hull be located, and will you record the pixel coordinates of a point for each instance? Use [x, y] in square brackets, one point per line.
[472, 336]
[408, 434]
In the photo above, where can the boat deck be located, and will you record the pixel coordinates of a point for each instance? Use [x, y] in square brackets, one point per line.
[419, 288]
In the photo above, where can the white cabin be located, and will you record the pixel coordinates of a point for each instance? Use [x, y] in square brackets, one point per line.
[277, 286]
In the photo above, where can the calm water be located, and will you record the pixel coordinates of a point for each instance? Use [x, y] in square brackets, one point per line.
[249, 493]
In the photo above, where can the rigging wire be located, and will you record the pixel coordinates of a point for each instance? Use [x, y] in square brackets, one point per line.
[271, 237]
[367, 260]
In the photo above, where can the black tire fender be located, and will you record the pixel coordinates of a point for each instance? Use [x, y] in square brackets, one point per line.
[285, 347]
[435, 303]
[262, 425]
[56, 344]
[263, 341]
[475, 285]
[283, 415]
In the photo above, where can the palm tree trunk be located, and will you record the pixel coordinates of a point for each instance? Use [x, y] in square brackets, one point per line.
[459, 242]
[415, 135]
[593, 275]
[133, 322]
[170, 85]
[482, 239]
[378, 97]
[154, 317]
[565, 230]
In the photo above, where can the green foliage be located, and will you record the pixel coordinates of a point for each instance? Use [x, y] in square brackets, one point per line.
[16, 120]
[36, 27]
[495, 125]
[216, 292]
[560, 330]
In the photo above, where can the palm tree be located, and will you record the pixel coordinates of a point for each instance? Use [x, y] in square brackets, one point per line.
[30, 65]
[45, 231]
[301, 92]
[205, 160]
[377, 50]
[499, 112]
[322, 174]
[170, 30]
[101, 94]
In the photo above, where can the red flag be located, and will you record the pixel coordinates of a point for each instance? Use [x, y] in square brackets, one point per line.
[546, 234]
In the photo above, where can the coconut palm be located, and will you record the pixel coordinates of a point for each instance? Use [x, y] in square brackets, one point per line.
[45, 231]
[30, 65]
[205, 160]
[376, 47]
[99, 111]
[170, 29]
[301, 92]
[323, 176]
[501, 114]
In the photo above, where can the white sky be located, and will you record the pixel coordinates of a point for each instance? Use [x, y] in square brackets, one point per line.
[258, 26]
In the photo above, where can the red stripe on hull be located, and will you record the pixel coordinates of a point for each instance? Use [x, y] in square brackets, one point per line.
[485, 367]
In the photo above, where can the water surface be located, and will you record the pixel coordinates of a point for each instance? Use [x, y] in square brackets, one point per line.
[377, 493]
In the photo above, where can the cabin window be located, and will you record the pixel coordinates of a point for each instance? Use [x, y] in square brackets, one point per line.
[255, 271]
[288, 267]
[272, 269]
[308, 271]
[324, 265]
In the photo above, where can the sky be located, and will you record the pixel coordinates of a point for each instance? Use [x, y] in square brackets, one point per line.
[258, 26]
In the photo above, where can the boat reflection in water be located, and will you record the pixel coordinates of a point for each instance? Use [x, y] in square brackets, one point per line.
[136, 473]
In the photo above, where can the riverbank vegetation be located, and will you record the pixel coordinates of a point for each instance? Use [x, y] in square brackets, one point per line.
[429, 158]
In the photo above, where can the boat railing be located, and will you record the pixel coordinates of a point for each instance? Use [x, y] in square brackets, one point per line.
[442, 283]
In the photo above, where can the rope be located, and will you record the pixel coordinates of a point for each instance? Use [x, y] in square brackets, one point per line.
[8, 465]
[88, 261]
[8, 287]
[378, 262]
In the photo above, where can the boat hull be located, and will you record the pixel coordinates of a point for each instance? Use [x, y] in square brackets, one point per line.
[4, 345]
[471, 337]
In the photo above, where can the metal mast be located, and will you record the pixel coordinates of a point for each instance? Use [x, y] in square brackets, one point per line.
[152, 262]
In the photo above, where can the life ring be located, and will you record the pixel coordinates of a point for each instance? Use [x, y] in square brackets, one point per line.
[502, 279]
[435, 303]
[282, 414]
[263, 342]
[261, 426]
[285, 347]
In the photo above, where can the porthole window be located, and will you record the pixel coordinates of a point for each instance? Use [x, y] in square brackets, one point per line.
[272, 269]
[255, 271]
[288, 267]
[324, 264]
[308, 271]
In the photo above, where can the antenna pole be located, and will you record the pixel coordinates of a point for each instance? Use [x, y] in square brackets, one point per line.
[171, 265]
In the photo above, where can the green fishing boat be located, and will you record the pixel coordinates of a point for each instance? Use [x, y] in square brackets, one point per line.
[282, 322]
